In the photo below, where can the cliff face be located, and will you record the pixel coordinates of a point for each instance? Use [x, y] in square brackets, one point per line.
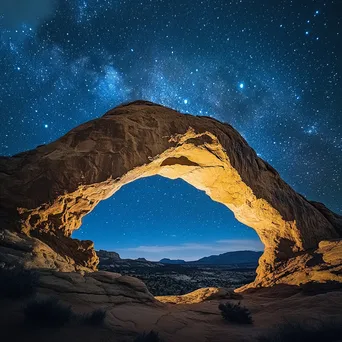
[108, 255]
[45, 192]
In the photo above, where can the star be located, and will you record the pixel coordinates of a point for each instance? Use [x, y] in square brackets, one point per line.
[278, 88]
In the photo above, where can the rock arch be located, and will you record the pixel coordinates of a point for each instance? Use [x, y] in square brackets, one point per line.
[46, 192]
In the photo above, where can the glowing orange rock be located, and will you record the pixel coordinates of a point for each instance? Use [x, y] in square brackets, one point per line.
[46, 192]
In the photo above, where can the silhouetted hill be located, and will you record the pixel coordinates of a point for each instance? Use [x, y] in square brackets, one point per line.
[238, 257]
[229, 258]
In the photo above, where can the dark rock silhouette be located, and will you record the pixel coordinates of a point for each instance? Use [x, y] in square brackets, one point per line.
[237, 257]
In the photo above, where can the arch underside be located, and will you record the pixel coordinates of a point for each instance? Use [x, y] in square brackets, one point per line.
[66, 179]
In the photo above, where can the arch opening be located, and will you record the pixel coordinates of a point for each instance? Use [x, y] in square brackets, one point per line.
[157, 218]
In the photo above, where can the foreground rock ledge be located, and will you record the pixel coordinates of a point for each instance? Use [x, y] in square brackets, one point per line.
[44, 193]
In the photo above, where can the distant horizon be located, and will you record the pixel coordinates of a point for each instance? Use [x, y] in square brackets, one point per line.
[155, 253]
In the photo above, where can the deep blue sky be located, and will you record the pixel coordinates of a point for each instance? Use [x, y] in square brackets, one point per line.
[272, 69]
[157, 217]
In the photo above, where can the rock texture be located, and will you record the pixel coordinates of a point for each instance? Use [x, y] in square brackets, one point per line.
[31, 252]
[44, 193]
[323, 264]
[103, 288]
[200, 295]
[131, 311]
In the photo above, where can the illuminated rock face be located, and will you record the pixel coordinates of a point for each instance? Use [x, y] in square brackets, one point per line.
[46, 192]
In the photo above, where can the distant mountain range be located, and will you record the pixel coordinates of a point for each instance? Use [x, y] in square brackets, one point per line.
[238, 257]
[229, 258]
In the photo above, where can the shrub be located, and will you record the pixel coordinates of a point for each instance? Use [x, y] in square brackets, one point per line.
[95, 318]
[17, 283]
[47, 312]
[152, 336]
[316, 331]
[235, 313]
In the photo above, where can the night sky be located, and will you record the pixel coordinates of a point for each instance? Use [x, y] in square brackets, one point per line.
[272, 69]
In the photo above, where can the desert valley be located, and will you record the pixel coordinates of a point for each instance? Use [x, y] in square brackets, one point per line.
[177, 277]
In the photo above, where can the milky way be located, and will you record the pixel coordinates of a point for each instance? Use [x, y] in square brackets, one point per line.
[271, 69]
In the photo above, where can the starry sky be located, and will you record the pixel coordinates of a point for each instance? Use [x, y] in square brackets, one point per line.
[272, 69]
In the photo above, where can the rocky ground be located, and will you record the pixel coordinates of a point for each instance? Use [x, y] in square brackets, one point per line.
[131, 310]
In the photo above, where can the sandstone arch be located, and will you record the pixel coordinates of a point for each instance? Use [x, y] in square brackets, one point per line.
[46, 192]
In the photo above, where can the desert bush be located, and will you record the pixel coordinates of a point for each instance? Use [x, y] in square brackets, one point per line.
[94, 318]
[47, 312]
[17, 283]
[314, 331]
[235, 313]
[152, 336]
